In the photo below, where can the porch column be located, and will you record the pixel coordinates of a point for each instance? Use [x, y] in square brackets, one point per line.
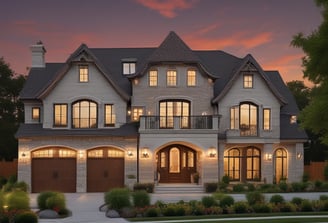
[81, 172]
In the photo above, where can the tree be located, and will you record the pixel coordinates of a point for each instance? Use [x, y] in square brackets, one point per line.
[314, 116]
[11, 110]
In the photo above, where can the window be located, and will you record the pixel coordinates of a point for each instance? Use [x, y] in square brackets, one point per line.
[84, 73]
[191, 78]
[153, 78]
[266, 119]
[280, 165]
[169, 109]
[163, 159]
[84, 114]
[60, 115]
[253, 157]
[36, 114]
[110, 117]
[129, 68]
[171, 78]
[248, 119]
[136, 113]
[248, 81]
[234, 117]
[232, 164]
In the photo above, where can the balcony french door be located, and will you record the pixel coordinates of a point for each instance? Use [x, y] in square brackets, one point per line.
[168, 109]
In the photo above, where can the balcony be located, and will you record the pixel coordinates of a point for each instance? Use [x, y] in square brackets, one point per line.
[204, 122]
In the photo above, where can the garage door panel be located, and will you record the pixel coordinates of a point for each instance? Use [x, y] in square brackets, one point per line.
[54, 174]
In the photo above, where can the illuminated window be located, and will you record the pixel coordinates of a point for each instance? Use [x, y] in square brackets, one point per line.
[115, 153]
[248, 81]
[163, 159]
[280, 165]
[191, 159]
[96, 153]
[232, 164]
[36, 114]
[266, 118]
[84, 73]
[43, 153]
[253, 157]
[110, 117]
[168, 109]
[234, 117]
[191, 78]
[60, 115]
[84, 114]
[248, 119]
[67, 153]
[129, 68]
[153, 78]
[174, 160]
[171, 78]
[136, 113]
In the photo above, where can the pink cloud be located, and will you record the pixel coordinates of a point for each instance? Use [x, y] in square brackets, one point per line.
[167, 8]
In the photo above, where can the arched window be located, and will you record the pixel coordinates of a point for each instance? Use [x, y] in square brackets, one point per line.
[280, 165]
[170, 108]
[232, 164]
[174, 160]
[244, 117]
[84, 114]
[253, 165]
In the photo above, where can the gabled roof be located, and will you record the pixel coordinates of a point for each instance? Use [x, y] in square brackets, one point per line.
[221, 89]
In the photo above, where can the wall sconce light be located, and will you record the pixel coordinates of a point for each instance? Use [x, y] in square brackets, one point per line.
[268, 156]
[23, 154]
[299, 156]
[212, 152]
[129, 112]
[136, 81]
[145, 153]
[130, 153]
[81, 155]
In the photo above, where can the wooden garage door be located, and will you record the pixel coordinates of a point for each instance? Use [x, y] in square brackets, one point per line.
[54, 169]
[105, 169]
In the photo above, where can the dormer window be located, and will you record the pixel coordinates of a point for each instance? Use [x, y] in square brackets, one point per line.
[84, 73]
[191, 78]
[129, 66]
[36, 114]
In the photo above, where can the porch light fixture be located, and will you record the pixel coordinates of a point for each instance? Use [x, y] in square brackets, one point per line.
[130, 153]
[145, 153]
[81, 155]
[212, 152]
[299, 156]
[268, 156]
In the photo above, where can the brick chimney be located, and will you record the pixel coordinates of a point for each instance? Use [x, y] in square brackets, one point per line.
[38, 52]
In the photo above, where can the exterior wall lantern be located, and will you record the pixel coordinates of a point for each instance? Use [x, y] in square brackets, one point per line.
[299, 156]
[212, 152]
[145, 152]
[130, 154]
[268, 156]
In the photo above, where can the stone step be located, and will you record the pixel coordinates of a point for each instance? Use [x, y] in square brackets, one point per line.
[178, 188]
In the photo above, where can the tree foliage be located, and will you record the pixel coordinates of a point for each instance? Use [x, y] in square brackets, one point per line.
[11, 110]
[314, 117]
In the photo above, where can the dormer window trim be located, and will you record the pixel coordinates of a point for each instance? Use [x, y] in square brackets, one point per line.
[129, 66]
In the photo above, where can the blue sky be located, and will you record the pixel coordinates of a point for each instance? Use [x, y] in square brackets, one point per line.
[263, 28]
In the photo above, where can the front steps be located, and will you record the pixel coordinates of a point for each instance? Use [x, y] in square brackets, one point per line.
[177, 188]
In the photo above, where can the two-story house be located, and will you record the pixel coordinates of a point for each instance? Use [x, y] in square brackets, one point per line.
[109, 117]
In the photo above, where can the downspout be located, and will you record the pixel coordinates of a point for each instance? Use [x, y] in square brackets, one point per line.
[138, 139]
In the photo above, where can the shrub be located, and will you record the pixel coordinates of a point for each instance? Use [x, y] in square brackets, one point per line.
[225, 179]
[296, 186]
[21, 186]
[211, 187]
[26, 217]
[283, 186]
[226, 201]
[42, 199]
[238, 188]
[323, 197]
[306, 206]
[297, 200]
[2, 201]
[262, 208]
[56, 202]
[118, 198]
[250, 187]
[276, 199]
[208, 201]
[255, 197]
[318, 184]
[3, 181]
[152, 212]
[222, 186]
[199, 209]
[287, 207]
[149, 187]
[141, 198]
[241, 207]
[18, 200]
[169, 211]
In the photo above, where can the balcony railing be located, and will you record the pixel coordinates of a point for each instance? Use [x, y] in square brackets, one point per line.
[179, 122]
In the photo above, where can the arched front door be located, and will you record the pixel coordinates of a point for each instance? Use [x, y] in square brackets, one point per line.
[176, 164]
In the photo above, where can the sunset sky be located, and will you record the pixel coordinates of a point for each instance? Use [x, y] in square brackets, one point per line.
[263, 28]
